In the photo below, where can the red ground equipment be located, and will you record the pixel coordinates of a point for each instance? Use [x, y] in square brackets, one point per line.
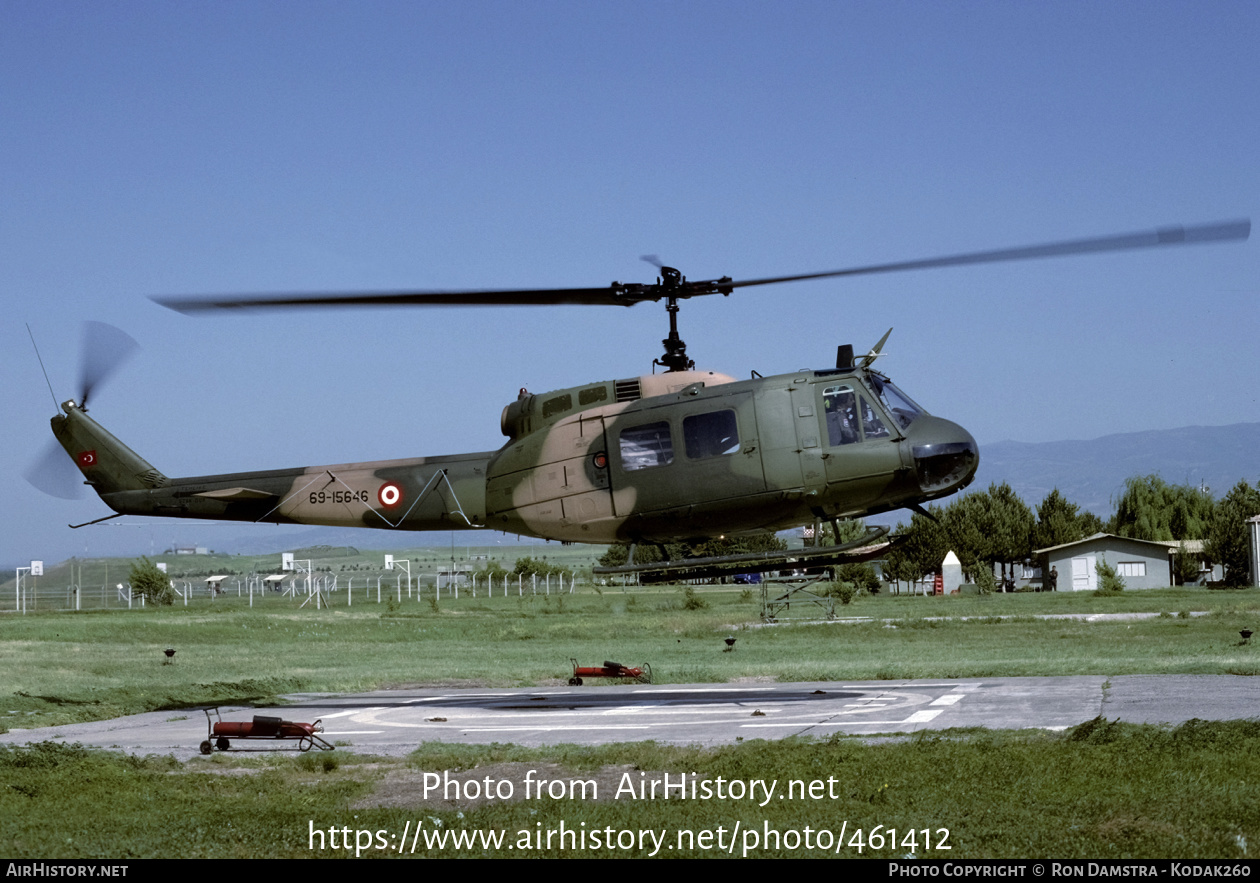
[219, 732]
[610, 670]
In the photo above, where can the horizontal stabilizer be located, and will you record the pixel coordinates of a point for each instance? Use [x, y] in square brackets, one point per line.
[235, 493]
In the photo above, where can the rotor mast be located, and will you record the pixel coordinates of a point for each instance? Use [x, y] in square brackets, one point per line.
[675, 358]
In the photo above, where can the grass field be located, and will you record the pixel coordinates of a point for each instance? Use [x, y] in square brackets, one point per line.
[65, 667]
[1100, 791]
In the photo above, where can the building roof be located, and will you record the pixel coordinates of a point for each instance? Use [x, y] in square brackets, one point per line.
[1164, 545]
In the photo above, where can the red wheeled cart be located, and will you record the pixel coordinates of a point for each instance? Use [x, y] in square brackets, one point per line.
[610, 670]
[219, 732]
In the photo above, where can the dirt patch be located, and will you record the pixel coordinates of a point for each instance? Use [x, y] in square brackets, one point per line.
[218, 769]
[467, 789]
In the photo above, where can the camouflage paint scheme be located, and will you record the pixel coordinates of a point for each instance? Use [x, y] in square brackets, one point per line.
[680, 455]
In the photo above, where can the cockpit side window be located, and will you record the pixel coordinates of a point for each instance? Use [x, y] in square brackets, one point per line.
[897, 403]
[645, 446]
[872, 426]
[710, 435]
[840, 407]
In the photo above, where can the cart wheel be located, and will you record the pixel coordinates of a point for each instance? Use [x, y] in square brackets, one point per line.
[206, 747]
[575, 682]
[222, 744]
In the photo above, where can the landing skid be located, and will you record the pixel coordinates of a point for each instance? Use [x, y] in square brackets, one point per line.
[869, 545]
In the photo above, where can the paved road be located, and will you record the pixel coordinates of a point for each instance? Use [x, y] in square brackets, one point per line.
[394, 722]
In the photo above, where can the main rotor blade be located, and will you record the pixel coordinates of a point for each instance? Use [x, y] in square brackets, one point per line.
[619, 294]
[1220, 232]
[532, 297]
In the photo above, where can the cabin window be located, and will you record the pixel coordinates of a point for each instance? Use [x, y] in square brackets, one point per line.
[646, 446]
[1131, 568]
[593, 394]
[710, 435]
[557, 405]
[840, 406]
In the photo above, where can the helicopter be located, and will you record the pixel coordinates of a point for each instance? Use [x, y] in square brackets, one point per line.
[681, 455]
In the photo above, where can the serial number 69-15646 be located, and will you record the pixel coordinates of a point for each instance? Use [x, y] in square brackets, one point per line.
[338, 497]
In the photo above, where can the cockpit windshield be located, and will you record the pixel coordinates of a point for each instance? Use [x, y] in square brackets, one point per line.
[897, 403]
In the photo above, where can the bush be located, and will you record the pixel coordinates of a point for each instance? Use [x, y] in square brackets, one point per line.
[1109, 582]
[692, 601]
[986, 582]
[860, 576]
[149, 582]
[842, 590]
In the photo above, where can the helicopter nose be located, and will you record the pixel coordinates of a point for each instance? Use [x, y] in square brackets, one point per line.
[945, 455]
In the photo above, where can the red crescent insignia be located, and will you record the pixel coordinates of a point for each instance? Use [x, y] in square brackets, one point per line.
[86, 459]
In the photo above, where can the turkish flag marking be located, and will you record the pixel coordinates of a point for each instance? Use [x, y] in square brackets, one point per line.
[86, 459]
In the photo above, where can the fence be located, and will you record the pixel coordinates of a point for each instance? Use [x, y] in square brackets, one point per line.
[319, 588]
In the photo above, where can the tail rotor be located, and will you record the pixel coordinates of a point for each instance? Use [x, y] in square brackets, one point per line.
[103, 351]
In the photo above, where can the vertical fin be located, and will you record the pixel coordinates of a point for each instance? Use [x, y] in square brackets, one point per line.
[106, 463]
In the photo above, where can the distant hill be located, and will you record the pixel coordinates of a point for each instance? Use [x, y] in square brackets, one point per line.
[1092, 473]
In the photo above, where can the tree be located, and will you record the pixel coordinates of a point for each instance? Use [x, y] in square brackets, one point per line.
[1091, 524]
[494, 571]
[1152, 509]
[1058, 522]
[851, 529]
[922, 549]
[1227, 538]
[1185, 565]
[965, 530]
[527, 566]
[860, 575]
[1010, 525]
[899, 568]
[993, 526]
[149, 582]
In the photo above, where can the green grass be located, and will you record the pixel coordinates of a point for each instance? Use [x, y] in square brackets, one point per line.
[67, 667]
[1100, 791]
[1104, 790]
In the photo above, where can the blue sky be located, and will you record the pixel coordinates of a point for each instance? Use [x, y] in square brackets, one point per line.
[185, 148]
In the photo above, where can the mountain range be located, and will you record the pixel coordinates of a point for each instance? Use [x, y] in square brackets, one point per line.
[1091, 473]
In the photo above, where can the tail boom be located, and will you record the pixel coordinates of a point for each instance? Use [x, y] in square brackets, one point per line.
[422, 493]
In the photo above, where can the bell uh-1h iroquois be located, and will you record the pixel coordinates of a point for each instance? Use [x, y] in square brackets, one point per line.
[679, 455]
